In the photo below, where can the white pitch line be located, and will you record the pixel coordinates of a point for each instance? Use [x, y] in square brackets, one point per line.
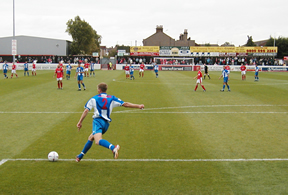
[147, 82]
[208, 106]
[3, 112]
[135, 112]
[3, 161]
[152, 112]
[161, 108]
[156, 160]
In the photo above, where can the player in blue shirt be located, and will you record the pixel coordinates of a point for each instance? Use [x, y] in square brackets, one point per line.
[156, 68]
[5, 69]
[26, 66]
[256, 73]
[79, 74]
[225, 76]
[102, 105]
[131, 68]
[68, 71]
[92, 64]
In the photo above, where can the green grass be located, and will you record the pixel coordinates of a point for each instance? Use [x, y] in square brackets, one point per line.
[177, 123]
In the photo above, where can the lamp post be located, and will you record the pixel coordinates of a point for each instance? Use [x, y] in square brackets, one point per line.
[13, 27]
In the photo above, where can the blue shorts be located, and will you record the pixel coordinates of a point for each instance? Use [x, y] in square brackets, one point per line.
[225, 79]
[68, 72]
[25, 69]
[99, 125]
[91, 70]
[5, 71]
[80, 77]
[256, 73]
[156, 71]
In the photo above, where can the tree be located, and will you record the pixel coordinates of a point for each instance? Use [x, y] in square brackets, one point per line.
[250, 41]
[227, 44]
[112, 52]
[85, 38]
[281, 43]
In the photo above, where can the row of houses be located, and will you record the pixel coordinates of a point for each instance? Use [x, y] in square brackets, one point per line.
[37, 46]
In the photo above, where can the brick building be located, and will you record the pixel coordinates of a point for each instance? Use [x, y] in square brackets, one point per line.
[161, 39]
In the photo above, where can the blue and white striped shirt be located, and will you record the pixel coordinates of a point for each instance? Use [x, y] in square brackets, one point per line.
[26, 65]
[80, 70]
[225, 73]
[92, 66]
[68, 67]
[103, 105]
[5, 66]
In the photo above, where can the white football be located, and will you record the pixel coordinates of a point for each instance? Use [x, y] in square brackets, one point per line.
[53, 156]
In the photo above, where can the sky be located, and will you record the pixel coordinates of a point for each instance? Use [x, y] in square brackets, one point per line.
[128, 22]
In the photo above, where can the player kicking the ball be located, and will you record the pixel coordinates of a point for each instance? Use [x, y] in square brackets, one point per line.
[102, 105]
[199, 80]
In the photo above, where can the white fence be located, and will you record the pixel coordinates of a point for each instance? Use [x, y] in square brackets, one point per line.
[41, 66]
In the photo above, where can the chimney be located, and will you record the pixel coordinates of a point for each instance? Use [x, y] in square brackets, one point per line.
[159, 28]
[185, 34]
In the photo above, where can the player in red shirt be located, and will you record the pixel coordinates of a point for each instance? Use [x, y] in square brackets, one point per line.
[243, 71]
[59, 73]
[142, 68]
[13, 71]
[127, 72]
[199, 80]
[34, 68]
[86, 68]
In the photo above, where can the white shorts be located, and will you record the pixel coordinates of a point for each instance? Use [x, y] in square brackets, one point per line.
[199, 80]
[86, 69]
[59, 79]
[127, 72]
[228, 71]
[33, 69]
[141, 70]
[13, 71]
[243, 72]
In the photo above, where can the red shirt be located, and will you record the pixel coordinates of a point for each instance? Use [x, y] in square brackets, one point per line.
[142, 66]
[243, 68]
[61, 65]
[199, 74]
[13, 67]
[34, 66]
[59, 72]
[227, 67]
[86, 65]
[126, 68]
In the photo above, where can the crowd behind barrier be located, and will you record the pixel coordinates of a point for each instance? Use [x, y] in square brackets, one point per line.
[201, 60]
[264, 61]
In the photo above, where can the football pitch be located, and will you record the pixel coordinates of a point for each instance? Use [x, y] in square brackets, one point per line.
[183, 142]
